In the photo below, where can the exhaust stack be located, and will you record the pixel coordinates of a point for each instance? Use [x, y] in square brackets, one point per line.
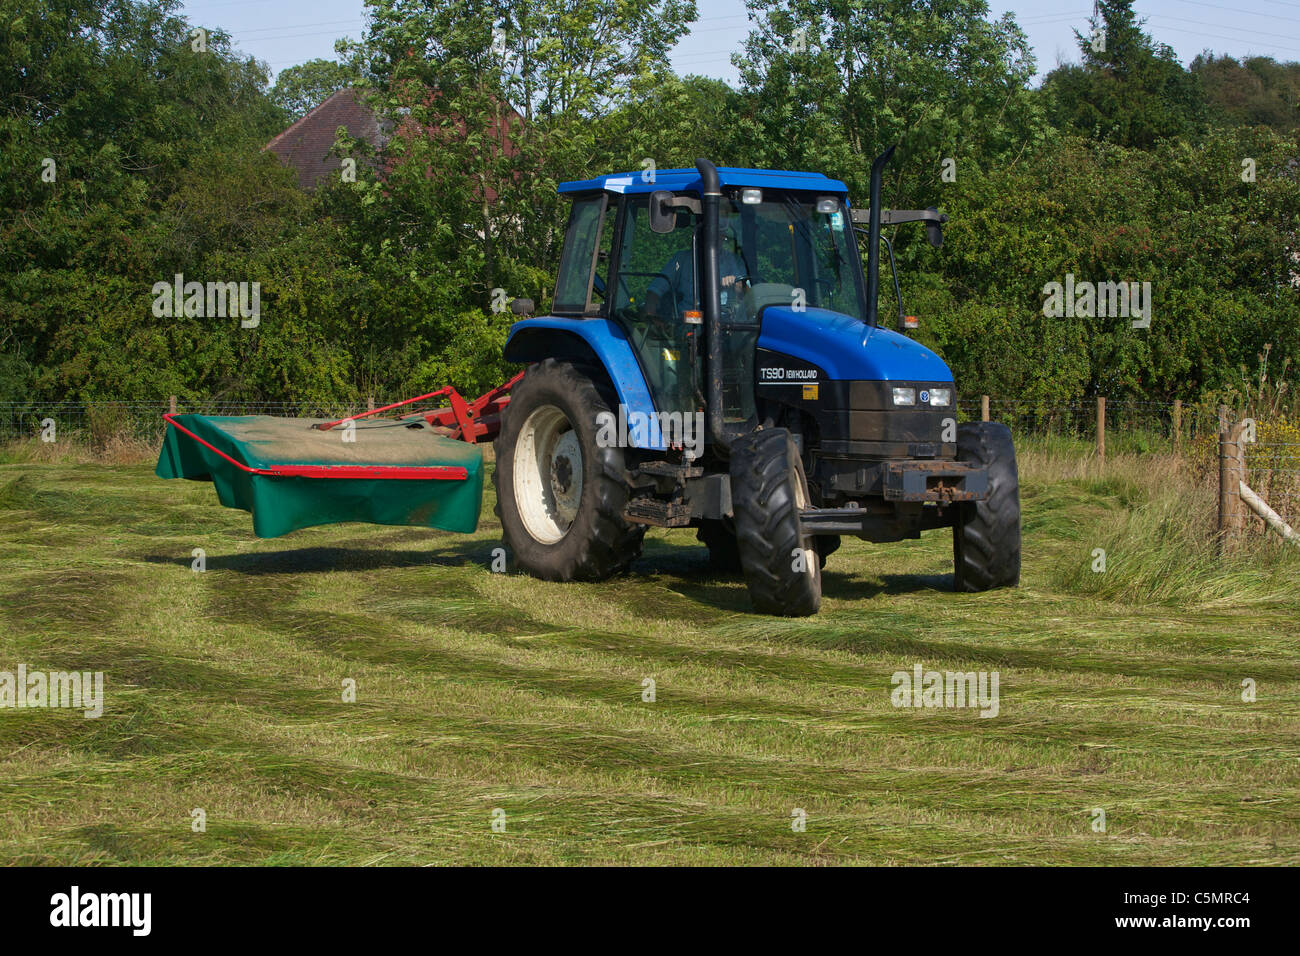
[873, 237]
[711, 302]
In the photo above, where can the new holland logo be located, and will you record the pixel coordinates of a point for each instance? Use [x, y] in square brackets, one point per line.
[787, 375]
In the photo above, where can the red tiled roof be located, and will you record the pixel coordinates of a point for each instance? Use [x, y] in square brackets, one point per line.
[306, 144]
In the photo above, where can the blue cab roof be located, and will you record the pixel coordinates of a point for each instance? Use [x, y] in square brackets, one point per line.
[688, 180]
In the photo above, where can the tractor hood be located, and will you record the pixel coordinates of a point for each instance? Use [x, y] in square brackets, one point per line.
[846, 349]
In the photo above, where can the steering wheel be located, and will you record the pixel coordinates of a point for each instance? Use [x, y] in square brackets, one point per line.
[738, 293]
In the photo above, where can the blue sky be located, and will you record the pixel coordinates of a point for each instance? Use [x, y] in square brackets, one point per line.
[285, 32]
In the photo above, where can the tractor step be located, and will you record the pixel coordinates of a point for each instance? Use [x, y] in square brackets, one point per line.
[669, 469]
[660, 514]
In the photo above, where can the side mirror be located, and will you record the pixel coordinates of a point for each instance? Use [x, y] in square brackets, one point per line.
[663, 216]
[521, 306]
[932, 218]
[934, 227]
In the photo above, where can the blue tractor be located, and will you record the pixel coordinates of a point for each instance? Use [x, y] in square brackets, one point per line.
[713, 359]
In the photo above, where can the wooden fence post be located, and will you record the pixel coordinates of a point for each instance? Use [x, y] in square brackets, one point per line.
[984, 408]
[1271, 518]
[1225, 475]
[171, 406]
[1232, 472]
[1101, 429]
[1178, 424]
[370, 404]
[1238, 448]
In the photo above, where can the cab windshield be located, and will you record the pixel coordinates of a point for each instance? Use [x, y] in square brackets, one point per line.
[784, 251]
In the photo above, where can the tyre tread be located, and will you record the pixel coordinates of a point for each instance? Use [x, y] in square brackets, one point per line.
[767, 524]
[986, 537]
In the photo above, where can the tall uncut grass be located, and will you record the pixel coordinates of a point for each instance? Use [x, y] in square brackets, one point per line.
[1157, 524]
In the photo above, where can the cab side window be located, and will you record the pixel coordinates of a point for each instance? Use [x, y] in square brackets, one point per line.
[573, 286]
[599, 292]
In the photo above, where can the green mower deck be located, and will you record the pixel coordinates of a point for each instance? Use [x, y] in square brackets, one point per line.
[289, 474]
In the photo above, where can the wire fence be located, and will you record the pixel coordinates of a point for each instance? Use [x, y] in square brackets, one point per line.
[1271, 450]
[100, 424]
[1134, 427]
[1273, 472]
[1129, 426]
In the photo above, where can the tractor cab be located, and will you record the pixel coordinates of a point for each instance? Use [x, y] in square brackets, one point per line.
[632, 255]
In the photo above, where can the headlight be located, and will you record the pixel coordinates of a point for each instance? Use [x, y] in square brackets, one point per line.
[904, 396]
[941, 396]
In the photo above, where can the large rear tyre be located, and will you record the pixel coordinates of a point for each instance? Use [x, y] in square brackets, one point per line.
[768, 489]
[986, 535]
[560, 496]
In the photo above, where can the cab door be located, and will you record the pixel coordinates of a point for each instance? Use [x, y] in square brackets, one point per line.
[654, 287]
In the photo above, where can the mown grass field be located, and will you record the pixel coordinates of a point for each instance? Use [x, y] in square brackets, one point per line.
[479, 691]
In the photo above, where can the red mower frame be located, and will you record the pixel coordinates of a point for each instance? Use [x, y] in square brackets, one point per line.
[462, 420]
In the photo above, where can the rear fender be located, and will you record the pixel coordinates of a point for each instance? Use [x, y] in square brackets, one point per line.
[593, 341]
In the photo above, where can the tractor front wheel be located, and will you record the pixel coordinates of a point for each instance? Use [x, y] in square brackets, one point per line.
[768, 490]
[986, 534]
[561, 495]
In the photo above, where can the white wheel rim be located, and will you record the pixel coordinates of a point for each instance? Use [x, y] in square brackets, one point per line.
[801, 502]
[548, 470]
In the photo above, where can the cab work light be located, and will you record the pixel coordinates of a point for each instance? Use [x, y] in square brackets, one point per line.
[904, 396]
[751, 197]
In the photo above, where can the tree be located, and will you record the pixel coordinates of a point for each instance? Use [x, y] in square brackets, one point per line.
[674, 120]
[104, 104]
[1257, 91]
[1129, 90]
[1218, 254]
[300, 89]
[495, 103]
[831, 84]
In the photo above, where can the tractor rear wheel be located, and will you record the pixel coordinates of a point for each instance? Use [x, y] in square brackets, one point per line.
[560, 495]
[768, 490]
[986, 534]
